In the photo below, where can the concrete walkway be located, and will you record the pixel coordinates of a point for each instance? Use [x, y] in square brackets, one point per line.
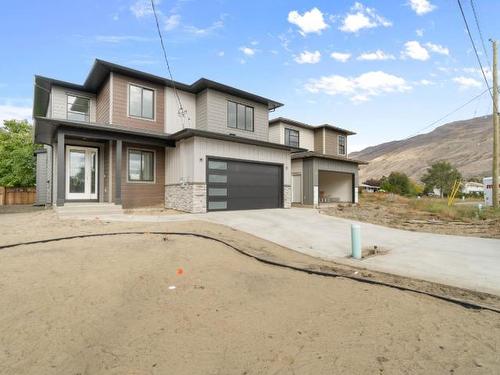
[467, 262]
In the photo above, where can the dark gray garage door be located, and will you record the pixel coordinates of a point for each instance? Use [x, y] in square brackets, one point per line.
[240, 185]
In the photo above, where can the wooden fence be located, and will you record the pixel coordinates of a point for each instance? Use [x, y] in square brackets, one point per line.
[10, 196]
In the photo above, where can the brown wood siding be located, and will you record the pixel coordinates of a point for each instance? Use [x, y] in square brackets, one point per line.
[120, 105]
[103, 103]
[144, 194]
[331, 142]
[318, 140]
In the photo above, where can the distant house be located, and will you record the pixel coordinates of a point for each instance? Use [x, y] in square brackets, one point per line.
[368, 188]
[471, 187]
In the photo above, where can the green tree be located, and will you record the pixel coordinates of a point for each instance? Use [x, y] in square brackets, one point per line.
[17, 163]
[441, 175]
[397, 183]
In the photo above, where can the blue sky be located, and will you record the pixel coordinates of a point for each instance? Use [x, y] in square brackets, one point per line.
[382, 68]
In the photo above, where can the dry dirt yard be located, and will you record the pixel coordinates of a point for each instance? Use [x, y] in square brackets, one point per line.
[106, 305]
[424, 215]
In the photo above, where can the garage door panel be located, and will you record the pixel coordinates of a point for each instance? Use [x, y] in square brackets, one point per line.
[236, 185]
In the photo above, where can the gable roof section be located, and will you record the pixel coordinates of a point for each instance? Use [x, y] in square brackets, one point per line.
[101, 69]
[308, 126]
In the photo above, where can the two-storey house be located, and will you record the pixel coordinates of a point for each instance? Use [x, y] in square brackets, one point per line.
[322, 172]
[136, 139]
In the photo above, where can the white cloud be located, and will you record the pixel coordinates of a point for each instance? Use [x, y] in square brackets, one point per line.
[248, 51]
[425, 82]
[310, 22]
[254, 43]
[419, 32]
[362, 17]
[340, 56]
[437, 48]
[13, 112]
[197, 31]
[220, 53]
[377, 55]
[307, 57]
[360, 88]
[414, 50]
[466, 82]
[422, 7]
[172, 22]
[142, 8]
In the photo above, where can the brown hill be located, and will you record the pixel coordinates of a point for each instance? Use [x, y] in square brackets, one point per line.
[466, 144]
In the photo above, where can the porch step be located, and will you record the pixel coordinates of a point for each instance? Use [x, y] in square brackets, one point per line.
[88, 209]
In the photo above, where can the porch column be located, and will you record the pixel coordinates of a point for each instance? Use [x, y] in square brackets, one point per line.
[118, 172]
[61, 169]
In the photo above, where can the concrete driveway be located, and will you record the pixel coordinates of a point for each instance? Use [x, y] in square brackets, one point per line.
[467, 262]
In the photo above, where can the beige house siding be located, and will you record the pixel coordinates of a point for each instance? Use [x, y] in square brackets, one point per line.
[331, 142]
[202, 110]
[120, 105]
[59, 102]
[275, 133]
[216, 116]
[174, 122]
[103, 103]
[318, 141]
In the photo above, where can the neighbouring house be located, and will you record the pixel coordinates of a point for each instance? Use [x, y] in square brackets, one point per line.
[322, 173]
[472, 188]
[368, 188]
[120, 137]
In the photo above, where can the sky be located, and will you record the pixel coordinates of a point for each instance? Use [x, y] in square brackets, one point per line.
[385, 69]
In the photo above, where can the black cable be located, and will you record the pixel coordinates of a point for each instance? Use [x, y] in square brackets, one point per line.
[475, 51]
[447, 115]
[476, 18]
[181, 111]
[466, 304]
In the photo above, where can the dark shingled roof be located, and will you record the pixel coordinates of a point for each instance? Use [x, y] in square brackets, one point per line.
[308, 126]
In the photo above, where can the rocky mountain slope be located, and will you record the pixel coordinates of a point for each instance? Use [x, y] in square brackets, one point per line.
[466, 144]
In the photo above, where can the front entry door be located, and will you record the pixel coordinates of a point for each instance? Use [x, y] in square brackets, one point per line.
[81, 173]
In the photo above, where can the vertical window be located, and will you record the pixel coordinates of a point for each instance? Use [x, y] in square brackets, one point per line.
[291, 137]
[342, 144]
[140, 166]
[140, 102]
[77, 108]
[239, 116]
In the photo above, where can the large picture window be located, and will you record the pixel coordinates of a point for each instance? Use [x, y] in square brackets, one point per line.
[342, 144]
[239, 116]
[140, 165]
[141, 102]
[291, 137]
[77, 108]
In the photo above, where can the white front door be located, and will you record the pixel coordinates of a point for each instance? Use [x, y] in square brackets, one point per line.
[81, 173]
[296, 188]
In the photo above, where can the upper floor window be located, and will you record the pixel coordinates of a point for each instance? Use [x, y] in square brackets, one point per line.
[141, 102]
[291, 137]
[342, 144]
[239, 116]
[78, 108]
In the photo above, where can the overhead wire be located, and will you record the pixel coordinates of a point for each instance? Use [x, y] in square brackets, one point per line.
[181, 111]
[476, 18]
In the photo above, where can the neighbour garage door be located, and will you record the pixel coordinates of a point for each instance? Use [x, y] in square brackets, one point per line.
[241, 185]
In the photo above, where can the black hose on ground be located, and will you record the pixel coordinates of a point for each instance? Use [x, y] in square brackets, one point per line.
[466, 304]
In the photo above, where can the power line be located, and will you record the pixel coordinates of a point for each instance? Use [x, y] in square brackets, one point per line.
[475, 49]
[182, 112]
[480, 33]
[447, 115]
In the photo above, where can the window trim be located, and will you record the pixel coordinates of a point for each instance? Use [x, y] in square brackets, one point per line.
[298, 137]
[246, 106]
[339, 137]
[68, 94]
[142, 87]
[154, 165]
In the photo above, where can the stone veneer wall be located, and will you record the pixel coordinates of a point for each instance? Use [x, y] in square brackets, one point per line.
[287, 196]
[187, 197]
